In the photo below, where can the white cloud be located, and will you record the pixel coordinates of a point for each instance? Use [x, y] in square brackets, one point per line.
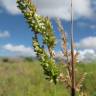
[53, 8]
[87, 55]
[4, 34]
[59, 54]
[86, 25]
[62, 8]
[10, 6]
[87, 49]
[87, 43]
[20, 50]
[93, 26]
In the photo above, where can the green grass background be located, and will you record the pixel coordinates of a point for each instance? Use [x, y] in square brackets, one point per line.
[25, 78]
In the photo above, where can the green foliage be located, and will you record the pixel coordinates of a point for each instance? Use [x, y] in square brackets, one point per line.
[29, 59]
[41, 26]
[26, 79]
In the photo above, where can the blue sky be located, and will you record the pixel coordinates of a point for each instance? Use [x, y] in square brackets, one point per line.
[16, 37]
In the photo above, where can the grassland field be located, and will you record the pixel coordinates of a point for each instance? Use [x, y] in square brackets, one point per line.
[25, 78]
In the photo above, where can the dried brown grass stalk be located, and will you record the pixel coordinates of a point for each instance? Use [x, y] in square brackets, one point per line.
[67, 80]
